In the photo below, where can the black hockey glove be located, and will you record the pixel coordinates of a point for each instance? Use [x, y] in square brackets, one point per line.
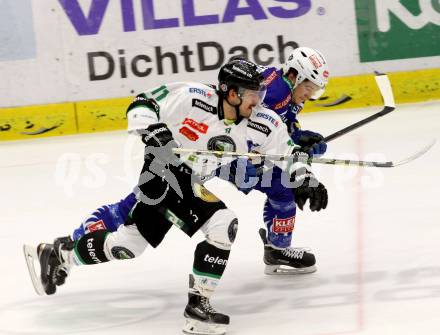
[159, 142]
[307, 187]
[310, 142]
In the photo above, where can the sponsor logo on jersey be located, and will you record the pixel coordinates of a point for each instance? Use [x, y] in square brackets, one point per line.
[215, 260]
[283, 225]
[275, 122]
[122, 253]
[189, 134]
[200, 91]
[315, 61]
[284, 103]
[98, 225]
[270, 78]
[201, 127]
[259, 127]
[203, 105]
[221, 143]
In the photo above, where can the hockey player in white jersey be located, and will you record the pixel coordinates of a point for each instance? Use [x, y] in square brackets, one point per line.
[303, 76]
[170, 191]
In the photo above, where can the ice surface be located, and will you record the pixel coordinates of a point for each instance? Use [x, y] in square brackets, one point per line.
[377, 244]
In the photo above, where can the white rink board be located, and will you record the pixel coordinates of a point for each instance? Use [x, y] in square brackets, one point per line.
[136, 38]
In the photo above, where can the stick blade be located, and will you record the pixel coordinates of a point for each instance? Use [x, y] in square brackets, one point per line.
[417, 154]
[383, 82]
[375, 164]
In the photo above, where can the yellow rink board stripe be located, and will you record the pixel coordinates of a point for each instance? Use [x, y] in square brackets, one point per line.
[102, 115]
[37, 121]
[109, 114]
[361, 91]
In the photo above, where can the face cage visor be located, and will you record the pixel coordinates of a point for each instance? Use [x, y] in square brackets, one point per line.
[254, 96]
[315, 91]
[317, 94]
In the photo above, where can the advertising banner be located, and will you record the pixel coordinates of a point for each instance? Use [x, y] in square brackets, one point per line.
[74, 50]
[92, 56]
[398, 29]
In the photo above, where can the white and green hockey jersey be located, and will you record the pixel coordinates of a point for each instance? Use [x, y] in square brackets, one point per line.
[195, 117]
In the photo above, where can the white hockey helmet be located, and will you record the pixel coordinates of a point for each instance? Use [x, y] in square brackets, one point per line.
[309, 64]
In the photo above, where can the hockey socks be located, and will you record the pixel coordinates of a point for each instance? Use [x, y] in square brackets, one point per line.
[89, 249]
[209, 264]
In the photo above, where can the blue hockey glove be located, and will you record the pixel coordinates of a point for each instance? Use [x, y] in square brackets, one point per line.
[310, 142]
[309, 188]
[240, 172]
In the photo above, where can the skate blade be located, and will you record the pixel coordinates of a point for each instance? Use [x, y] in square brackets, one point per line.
[31, 257]
[280, 270]
[203, 328]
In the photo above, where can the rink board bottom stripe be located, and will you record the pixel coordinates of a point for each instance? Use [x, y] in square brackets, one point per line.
[110, 114]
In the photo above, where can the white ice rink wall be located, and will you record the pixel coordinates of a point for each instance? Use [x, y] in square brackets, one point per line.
[69, 66]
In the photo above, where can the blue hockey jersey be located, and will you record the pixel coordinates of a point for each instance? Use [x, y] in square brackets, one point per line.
[279, 97]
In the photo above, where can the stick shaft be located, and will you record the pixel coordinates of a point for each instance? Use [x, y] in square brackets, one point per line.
[384, 85]
[339, 133]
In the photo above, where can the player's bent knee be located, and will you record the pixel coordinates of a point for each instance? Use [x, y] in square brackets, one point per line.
[221, 229]
[125, 243]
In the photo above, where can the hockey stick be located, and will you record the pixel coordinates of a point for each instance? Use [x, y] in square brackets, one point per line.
[386, 91]
[328, 161]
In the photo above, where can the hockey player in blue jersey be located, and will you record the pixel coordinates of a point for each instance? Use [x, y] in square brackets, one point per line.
[302, 77]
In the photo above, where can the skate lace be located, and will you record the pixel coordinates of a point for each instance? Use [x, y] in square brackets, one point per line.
[207, 305]
[293, 253]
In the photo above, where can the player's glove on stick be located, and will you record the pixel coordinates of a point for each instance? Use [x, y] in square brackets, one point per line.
[159, 142]
[307, 187]
[310, 142]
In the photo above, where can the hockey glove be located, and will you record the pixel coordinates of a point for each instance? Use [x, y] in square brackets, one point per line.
[307, 187]
[240, 172]
[159, 142]
[310, 142]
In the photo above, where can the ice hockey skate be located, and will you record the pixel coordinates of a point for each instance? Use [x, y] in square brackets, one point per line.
[288, 261]
[201, 317]
[51, 270]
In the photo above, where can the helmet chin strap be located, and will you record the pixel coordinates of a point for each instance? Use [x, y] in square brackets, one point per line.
[237, 109]
[236, 106]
